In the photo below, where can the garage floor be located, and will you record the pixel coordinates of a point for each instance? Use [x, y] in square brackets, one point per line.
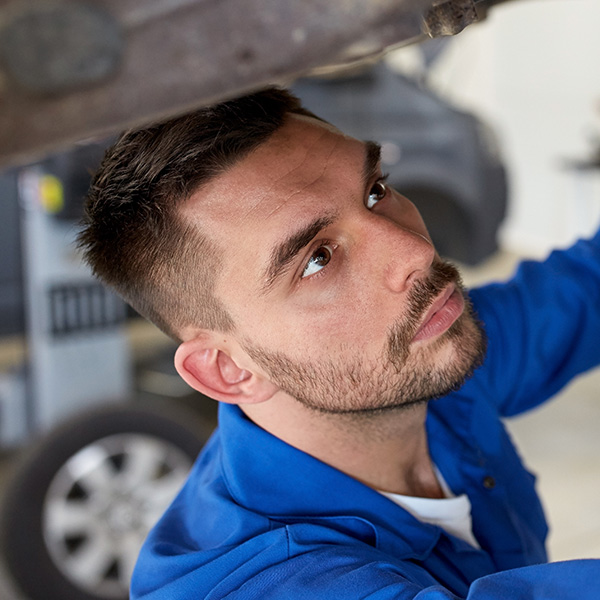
[559, 442]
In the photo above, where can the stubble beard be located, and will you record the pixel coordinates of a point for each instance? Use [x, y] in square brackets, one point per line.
[402, 377]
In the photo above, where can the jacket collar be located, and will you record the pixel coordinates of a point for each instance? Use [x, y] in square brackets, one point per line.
[270, 477]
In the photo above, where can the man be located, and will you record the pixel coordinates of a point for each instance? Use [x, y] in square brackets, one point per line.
[309, 300]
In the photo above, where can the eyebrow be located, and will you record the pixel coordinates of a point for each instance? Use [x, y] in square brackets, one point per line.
[372, 160]
[284, 253]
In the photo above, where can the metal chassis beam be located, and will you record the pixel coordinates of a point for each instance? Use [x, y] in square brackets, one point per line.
[72, 69]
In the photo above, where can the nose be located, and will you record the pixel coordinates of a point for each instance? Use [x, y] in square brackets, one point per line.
[408, 254]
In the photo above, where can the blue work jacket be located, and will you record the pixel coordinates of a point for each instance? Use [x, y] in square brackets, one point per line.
[260, 520]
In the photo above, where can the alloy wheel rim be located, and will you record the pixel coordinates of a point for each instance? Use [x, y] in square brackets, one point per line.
[101, 504]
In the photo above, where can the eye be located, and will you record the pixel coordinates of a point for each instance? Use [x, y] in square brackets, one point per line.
[319, 259]
[377, 192]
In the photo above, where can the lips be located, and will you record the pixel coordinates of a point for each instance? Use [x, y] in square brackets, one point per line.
[441, 314]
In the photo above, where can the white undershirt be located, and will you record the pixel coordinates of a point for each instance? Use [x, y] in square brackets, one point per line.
[452, 513]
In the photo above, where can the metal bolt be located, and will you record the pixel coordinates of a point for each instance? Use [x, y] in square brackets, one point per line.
[489, 483]
[449, 17]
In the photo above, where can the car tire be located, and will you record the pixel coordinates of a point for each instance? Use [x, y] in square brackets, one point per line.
[81, 501]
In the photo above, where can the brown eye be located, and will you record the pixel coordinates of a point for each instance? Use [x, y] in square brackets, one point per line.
[377, 192]
[318, 260]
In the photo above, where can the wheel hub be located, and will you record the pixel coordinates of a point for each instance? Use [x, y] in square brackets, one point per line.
[102, 503]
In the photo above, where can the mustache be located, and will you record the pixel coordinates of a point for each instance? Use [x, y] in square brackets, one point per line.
[420, 298]
[425, 291]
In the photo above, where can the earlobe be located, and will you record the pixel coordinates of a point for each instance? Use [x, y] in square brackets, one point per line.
[214, 373]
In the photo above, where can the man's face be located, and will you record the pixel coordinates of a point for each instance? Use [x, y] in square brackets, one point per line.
[331, 278]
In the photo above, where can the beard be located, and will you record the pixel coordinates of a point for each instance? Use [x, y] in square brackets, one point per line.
[402, 376]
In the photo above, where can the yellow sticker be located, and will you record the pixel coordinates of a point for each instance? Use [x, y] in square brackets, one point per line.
[52, 196]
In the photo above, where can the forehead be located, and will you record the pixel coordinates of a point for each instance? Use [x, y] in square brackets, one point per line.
[303, 153]
[297, 175]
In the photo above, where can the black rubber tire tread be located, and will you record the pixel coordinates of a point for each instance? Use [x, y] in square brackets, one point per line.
[21, 537]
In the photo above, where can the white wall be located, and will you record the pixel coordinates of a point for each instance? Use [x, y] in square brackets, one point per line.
[532, 69]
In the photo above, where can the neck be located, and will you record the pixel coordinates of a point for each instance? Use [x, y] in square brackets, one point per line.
[385, 450]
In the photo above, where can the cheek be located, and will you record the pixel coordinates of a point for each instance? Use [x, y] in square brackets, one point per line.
[325, 328]
[357, 321]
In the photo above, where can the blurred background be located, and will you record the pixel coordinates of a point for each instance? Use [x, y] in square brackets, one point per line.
[494, 133]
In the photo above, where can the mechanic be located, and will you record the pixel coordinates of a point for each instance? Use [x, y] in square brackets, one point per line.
[360, 451]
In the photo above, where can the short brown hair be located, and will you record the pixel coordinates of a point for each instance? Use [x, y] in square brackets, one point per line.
[133, 236]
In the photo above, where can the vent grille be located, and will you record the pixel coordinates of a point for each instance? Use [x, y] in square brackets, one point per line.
[84, 307]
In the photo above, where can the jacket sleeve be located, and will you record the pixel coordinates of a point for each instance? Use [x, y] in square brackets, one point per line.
[308, 569]
[570, 580]
[543, 327]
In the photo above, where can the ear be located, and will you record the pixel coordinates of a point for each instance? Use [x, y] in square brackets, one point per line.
[214, 373]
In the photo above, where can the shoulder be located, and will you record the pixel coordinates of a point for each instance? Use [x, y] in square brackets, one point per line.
[288, 562]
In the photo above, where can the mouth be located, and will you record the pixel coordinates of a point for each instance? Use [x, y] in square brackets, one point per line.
[446, 309]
